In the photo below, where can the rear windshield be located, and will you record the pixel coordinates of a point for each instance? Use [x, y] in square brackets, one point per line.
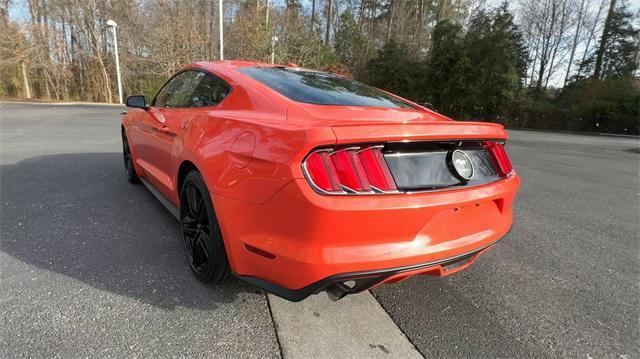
[321, 88]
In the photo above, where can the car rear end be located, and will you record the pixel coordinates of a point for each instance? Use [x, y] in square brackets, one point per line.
[392, 190]
[381, 203]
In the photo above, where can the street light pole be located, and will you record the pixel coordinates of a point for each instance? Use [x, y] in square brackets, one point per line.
[273, 48]
[220, 21]
[113, 26]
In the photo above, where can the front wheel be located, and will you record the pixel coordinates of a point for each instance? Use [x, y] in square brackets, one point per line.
[129, 171]
[201, 234]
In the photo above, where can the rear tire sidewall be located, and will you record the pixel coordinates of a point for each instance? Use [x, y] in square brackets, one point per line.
[217, 268]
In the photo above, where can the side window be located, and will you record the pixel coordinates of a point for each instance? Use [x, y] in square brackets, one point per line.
[177, 92]
[211, 91]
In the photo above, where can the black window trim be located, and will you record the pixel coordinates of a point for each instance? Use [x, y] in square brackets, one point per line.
[209, 73]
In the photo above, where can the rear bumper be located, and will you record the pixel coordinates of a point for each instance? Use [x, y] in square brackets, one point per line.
[339, 285]
[300, 242]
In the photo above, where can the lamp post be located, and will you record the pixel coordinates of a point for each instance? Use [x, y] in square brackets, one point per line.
[221, 24]
[274, 39]
[113, 26]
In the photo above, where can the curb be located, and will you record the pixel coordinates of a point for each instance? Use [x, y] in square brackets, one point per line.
[62, 103]
[355, 327]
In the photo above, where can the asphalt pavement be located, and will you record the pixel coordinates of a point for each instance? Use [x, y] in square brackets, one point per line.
[564, 283]
[93, 266]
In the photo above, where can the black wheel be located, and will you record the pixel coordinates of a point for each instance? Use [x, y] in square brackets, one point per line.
[200, 232]
[129, 171]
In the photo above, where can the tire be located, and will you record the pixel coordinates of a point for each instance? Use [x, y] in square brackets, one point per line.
[129, 170]
[201, 234]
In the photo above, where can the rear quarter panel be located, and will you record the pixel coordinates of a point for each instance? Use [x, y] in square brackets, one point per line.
[245, 146]
[248, 155]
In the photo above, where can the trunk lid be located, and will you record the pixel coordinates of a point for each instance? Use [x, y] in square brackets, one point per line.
[353, 124]
[410, 132]
[417, 146]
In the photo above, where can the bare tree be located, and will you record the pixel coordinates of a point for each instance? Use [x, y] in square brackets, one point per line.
[61, 49]
[15, 51]
[544, 25]
[597, 72]
[592, 32]
[329, 21]
[313, 14]
[576, 38]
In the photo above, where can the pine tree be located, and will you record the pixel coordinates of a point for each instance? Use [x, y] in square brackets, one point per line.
[497, 56]
[348, 40]
[447, 66]
[391, 70]
[618, 49]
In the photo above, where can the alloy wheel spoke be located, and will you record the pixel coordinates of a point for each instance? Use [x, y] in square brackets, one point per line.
[192, 200]
[201, 215]
[196, 258]
[188, 243]
[194, 239]
[195, 228]
[202, 241]
[190, 230]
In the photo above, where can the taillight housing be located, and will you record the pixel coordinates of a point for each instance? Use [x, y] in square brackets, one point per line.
[349, 170]
[500, 158]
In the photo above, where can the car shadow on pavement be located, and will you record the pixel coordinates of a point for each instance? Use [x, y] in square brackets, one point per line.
[76, 215]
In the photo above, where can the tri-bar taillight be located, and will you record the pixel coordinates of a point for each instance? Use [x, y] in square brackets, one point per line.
[350, 170]
[499, 155]
[362, 169]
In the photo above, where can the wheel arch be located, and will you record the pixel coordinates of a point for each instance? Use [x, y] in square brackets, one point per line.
[185, 167]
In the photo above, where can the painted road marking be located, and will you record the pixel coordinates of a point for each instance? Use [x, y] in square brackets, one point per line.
[353, 327]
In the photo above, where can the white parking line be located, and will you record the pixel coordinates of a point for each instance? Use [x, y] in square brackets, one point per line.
[353, 327]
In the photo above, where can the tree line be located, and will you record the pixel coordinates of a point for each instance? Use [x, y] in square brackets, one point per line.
[559, 64]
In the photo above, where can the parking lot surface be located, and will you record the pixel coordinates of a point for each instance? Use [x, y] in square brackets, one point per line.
[93, 266]
[565, 282]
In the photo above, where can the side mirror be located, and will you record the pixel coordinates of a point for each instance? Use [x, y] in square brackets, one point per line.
[137, 101]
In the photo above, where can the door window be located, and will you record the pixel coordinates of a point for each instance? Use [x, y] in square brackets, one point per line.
[177, 92]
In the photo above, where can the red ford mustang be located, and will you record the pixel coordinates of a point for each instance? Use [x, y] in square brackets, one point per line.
[300, 181]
